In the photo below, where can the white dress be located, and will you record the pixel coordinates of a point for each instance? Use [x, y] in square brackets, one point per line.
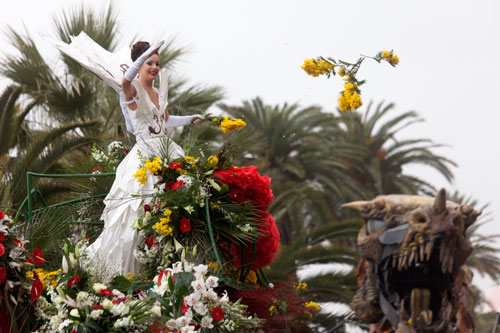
[117, 242]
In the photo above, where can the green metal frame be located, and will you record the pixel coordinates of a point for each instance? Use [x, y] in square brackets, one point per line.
[32, 191]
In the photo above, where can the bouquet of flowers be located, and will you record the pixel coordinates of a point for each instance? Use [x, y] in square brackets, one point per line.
[110, 158]
[205, 202]
[18, 290]
[179, 299]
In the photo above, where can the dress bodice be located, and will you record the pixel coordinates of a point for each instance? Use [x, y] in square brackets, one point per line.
[147, 119]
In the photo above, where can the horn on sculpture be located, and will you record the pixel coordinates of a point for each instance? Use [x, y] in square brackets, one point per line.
[440, 202]
[359, 205]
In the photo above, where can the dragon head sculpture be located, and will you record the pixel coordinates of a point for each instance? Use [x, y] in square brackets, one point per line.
[412, 277]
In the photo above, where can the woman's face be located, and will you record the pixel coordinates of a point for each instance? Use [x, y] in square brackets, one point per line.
[150, 68]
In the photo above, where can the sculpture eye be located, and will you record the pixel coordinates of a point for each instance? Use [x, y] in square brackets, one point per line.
[374, 225]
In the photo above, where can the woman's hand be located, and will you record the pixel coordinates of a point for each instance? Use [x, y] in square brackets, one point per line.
[132, 71]
[197, 119]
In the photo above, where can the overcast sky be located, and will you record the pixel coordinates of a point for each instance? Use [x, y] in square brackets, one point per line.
[448, 69]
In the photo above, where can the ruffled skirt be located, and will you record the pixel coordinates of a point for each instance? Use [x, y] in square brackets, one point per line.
[116, 244]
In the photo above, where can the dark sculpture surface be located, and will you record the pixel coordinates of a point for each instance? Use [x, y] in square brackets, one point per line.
[412, 276]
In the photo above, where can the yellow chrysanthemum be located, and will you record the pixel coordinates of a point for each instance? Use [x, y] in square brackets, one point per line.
[167, 213]
[213, 161]
[162, 226]
[141, 175]
[251, 277]
[45, 277]
[316, 68]
[342, 71]
[272, 310]
[154, 166]
[189, 159]
[301, 285]
[312, 306]
[228, 125]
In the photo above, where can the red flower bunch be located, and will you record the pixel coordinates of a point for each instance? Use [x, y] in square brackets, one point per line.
[246, 184]
[150, 241]
[106, 292]
[185, 225]
[175, 165]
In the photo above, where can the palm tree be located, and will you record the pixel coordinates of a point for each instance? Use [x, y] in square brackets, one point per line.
[288, 144]
[381, 170]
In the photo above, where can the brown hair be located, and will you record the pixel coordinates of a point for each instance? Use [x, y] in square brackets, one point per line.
[138, 49]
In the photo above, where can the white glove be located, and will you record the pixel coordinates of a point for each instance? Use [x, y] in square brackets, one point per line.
[175, 121]
[132, 71]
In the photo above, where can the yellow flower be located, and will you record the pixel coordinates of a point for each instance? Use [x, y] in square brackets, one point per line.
[350, 100]
[182, 171]
[315, 68]
[228, 125]
[141, 175]
[162, 226]
[153, 167]
[301, 285]
[189, 159]
[45, 277]
[308, 313]
[167, 213]
[390, 57]
[272, 309]
[312, 306]
[212, 161]
[213, 266]
[342, 71]
[251, 277]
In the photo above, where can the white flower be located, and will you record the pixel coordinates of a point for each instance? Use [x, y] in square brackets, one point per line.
[82, 296]
[182, 321]
[95, 314]
[206, 322]
[75, 313]
[156, 311]
[123, 322]
[64, 324]
[198, 286]
[201, 269]
[171, 324]
[200, 308]
[64, 264]
[188, 267]
[189, 209]
[177, 267]
[15, 265]
[98, 287]
[58, 299]
[191, 299]
[225, 297]
[211, 295]
[55, 321]
[187, 180]
[212, 282]
[107, 304]
[120, 309]
[117, 293]
[188, 329]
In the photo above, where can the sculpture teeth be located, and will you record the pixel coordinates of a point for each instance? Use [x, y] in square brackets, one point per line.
[428, 250]
[420, 301]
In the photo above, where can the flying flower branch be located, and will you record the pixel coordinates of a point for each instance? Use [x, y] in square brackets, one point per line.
[350, 98]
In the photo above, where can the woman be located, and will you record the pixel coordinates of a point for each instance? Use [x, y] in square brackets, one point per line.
[144, 108]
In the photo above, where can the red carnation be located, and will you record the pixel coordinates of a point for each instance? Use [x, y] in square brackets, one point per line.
[2, 249]
[2, 237]
[119, 300]
[1, 215]
[175, 165]
[73, 280]
[150, 241]
[177, 184]
[147, 208]
[98, 306]
[217, 313]
[36, 290]
[106, 292]
[18, 242]
[185, 225]
[3, 275]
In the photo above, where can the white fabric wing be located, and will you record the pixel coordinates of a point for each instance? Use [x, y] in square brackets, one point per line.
[106, 65]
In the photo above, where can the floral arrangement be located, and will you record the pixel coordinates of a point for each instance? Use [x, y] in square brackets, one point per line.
[110, 158]
[350, 98]
[18, 292]
[180, 299]
[204, 202]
